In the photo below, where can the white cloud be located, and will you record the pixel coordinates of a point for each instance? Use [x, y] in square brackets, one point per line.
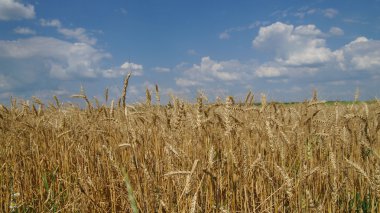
[224, 70]
[50, 23]
[15, 10]
[354, 21]
[276, 69]
[336, 31]
[330, 12]
[361, 54]
[136, 69]
[296, 57]
[59, 59]
[270, 71]
[307, 11]
[79, 34]
[272, 32]
[124, 69]
[307, 30]
[24, 31]
[295, 46]
[209, 70]
[301, 51]
[226, 34]
[302, 12]
[161, 69]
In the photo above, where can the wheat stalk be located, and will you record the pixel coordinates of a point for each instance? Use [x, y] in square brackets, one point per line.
[125, 86]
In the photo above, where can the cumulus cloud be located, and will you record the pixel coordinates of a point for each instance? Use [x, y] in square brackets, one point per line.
[24, 31]
[275, 69]
[295, 46]
[336, 31]
[300, 51]
[46, 65]
[209, 70]
[33, 60]
[15, 10]
[225, 70]
[270, 71]
[124, 69]
[136, 69]
[296, 58]
[78, 34]
[361, 54]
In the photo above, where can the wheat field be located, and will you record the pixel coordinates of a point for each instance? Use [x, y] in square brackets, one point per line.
[196, 156]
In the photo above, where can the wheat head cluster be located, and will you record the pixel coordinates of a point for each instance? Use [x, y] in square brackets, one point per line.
[225, 156]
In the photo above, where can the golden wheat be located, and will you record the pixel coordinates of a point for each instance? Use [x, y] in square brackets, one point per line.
[189, 157]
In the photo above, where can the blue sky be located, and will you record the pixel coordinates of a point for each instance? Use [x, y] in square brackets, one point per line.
[284, 49]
